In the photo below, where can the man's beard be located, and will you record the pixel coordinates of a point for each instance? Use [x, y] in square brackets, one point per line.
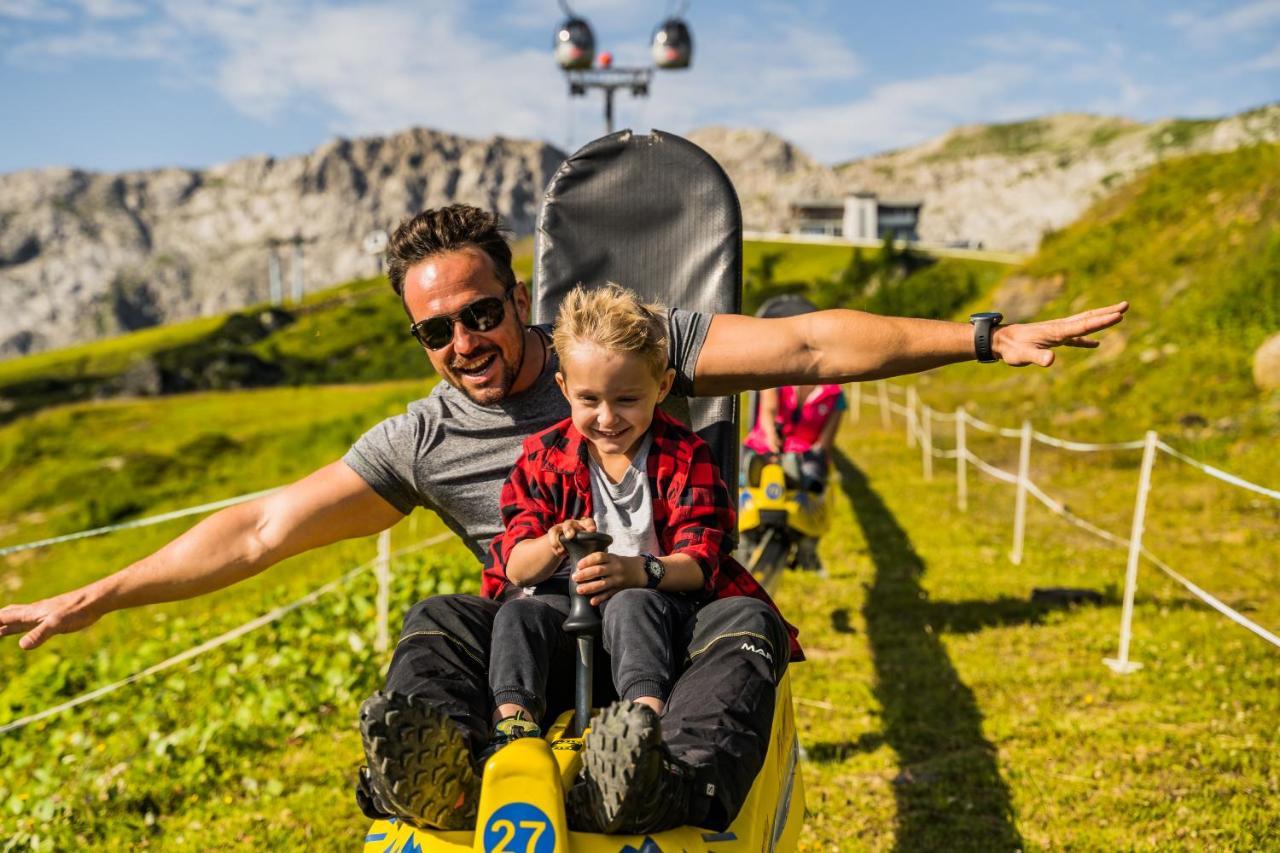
[494, 393]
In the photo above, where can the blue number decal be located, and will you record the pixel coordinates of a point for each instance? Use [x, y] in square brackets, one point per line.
[519, 828]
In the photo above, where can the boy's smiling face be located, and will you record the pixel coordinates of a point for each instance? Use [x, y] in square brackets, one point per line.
[611, 395]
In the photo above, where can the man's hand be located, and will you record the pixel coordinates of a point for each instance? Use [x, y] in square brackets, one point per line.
[600, 575]
[1020, 344]
[61, 614]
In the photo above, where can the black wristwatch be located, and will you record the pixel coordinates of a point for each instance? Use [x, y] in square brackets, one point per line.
[984, 329]
[654, 571]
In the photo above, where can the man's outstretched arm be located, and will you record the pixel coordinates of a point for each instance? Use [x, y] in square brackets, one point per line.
[227, 547]
[743, 353]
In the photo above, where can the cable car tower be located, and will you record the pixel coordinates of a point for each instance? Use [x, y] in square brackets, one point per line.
[575, 49]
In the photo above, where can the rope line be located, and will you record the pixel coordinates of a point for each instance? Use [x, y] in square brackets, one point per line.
[1218, 472]
[982, 425]
[220, 640]
[989, 469]
[1085, 447]
[1077, 446]
[1226, 610]
[1058, 509]
[137, 522]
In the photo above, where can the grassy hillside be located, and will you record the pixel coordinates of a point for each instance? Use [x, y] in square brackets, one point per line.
[1195, 247]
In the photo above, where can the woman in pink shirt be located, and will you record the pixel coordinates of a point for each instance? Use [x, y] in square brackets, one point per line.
[801, 421]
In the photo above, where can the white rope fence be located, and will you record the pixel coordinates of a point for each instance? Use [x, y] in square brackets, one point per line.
[382, 560]
[135, 523]
[919, 418]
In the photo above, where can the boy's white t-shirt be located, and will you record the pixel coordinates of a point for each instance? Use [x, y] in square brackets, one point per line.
[624, 509]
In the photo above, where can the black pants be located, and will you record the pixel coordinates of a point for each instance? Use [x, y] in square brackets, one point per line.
[719, 713]
[640, 631]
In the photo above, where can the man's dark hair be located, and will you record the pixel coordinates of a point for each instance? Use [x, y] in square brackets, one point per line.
[448, 229]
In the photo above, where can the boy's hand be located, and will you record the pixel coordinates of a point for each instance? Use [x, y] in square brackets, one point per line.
[601, 575]
[568, 529]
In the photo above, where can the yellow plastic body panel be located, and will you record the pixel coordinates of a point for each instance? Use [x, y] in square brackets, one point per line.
[806, 513]
[522, 805]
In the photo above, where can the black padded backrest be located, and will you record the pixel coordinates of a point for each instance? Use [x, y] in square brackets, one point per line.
[658, 215]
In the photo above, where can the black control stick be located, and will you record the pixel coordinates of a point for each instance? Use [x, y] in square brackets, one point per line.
[583, 622]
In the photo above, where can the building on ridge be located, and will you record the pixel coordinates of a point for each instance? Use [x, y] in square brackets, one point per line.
[860, 216]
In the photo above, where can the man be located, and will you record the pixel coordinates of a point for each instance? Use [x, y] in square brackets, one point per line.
[450, 452]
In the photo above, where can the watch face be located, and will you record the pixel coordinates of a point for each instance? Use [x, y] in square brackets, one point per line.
[986, 315]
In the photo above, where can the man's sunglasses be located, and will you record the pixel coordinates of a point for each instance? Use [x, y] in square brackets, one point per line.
[483, 315]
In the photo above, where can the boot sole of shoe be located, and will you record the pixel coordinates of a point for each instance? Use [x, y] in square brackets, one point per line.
[419, 764]
[619, 738]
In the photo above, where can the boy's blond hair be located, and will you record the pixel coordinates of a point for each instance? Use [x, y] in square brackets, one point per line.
[614, 319]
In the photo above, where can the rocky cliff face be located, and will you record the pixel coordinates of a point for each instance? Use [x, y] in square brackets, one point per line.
[1001, 185]
[84, 255]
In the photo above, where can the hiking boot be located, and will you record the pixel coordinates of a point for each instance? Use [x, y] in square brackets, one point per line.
[630, 782]
[367, 800]
[508, 729]
[420, 768]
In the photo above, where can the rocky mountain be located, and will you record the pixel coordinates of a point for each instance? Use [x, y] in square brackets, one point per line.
[84, 254]
[1002, 185]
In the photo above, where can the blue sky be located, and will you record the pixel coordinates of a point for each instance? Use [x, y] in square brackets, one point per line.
[116, 84]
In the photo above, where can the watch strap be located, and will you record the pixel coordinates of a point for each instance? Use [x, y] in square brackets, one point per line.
[984, 327]
[654, 571]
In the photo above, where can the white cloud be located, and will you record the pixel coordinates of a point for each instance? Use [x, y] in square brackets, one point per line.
[150, 42]
[112, 8]
[1269, 61]
[1014, 7]
[1240, 21]
[903, 113]
[604, 16]
[377, 67]
[31, 10]
[1028, 43]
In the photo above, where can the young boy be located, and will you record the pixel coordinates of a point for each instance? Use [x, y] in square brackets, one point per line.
[620, 466]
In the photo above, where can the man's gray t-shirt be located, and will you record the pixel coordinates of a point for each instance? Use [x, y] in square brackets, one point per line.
[451, 455]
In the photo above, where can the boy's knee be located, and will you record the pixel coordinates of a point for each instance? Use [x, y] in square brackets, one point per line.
[527, 611]
[630, 605]
[634, 599]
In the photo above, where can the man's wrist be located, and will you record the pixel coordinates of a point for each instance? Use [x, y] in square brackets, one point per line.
[100, 598]
[997, 338]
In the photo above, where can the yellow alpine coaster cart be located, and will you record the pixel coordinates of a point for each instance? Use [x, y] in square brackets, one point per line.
[656, 214]
[779, 524]
[522, 804]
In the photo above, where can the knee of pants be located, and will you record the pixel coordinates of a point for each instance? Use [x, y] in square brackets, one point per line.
[526, 612]
[629, 608]
[632, 603]
[434, 612]
[743, 615]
